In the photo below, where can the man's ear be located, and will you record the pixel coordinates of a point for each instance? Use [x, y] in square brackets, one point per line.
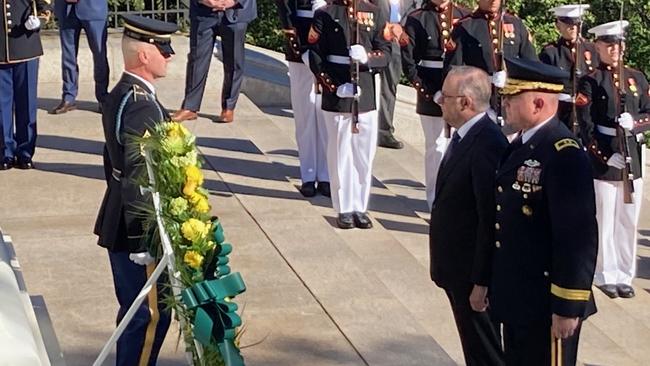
[539, 103]
[143, 57]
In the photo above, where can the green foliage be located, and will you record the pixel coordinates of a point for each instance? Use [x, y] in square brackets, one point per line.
[265, 31]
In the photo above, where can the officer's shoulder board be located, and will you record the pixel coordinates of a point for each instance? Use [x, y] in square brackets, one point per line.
[566, 142]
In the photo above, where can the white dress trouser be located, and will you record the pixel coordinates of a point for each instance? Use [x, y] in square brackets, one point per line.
[349, 158]
[617, 232]
[435, 144]
[311, 134]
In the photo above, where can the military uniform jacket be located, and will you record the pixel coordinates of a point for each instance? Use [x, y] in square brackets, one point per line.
[427, 32]
[18, 44]
[329, 38]
[546, 238]
[599, 104]
[475, 41]
[296, 18]
[118, 225]
[561, 53]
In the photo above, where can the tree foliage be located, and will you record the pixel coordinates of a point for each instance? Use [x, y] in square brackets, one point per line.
[265, 31]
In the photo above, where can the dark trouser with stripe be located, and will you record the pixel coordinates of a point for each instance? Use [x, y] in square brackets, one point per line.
[530, 345]
[140, 343]
[388, 93]
[202, 35]
[479, 335]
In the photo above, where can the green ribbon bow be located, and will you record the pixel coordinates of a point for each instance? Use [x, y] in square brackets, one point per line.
[215, 315]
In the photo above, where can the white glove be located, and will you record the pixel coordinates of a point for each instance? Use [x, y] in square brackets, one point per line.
[616, 161]
[305, 58]
[358, 53]
[626, 121]
[317, 4]
[499, 79]
[143, 259]
[32, 23]
[345, 91]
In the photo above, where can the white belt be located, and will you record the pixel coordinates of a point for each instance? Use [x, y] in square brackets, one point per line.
[431, 64]
[341, 60]
[609, 131]
[305, 13]
[565, 97]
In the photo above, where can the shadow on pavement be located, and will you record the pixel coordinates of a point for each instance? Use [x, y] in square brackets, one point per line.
[72, 144]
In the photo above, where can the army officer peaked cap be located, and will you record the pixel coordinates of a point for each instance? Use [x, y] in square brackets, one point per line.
[151, 31]
[531, 75]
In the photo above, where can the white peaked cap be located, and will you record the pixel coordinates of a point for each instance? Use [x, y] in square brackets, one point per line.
[615, 28]
[570, 11]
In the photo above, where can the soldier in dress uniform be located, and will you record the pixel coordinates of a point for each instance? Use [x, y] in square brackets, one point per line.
[349, 155]
[20, 49]
[546, 237]
[610, 105]
[311, 135]
[426, 33]
[475, 42]
[562, 53]
[129, 109]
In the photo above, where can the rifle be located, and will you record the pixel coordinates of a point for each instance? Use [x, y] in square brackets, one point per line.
[501, 65]
[354, 66]
[577, 73]
[628, 177]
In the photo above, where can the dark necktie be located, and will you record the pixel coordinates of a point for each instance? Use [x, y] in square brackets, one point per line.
[455, 139]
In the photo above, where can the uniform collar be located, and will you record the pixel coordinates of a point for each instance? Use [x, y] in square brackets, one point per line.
[486, 15]
[529, 133]
[148, 85]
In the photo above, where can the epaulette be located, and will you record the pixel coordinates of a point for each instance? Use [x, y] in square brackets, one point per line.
[567, 142]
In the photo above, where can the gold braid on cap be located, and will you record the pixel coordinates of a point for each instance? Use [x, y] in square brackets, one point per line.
[516, 86]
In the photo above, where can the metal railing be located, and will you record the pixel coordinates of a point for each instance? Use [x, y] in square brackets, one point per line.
[174, 11]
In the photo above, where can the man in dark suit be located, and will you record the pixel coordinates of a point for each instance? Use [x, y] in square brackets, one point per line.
[20, 51]
[209, 18]
[395, 12]
[462, 216]
[546, 238]
[73, 16]
[129, 110]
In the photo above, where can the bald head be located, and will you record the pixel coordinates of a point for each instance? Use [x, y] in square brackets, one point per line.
[143, 59]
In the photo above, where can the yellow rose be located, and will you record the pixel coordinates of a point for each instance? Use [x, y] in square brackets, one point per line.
[202, 205]
[193, 259]
[176, 129]
[193, 174]
[189, 189]
[194, 230]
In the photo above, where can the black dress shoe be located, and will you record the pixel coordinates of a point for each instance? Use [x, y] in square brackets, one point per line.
[308, 189]
[345, 220]
[64, 107]
[390, 142]
[609, 290]
[25, 164]
[7, 164]
[324, 189]
[362, 221]
[625, 291]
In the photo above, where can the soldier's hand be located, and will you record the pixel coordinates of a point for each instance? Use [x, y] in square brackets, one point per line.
[358, 53]
[317, 4]
[626, 121]
[563, 327]
[616, 161]
[347, 91]
[478, 298]
[214, 4]
[142, 259]
[499, 79]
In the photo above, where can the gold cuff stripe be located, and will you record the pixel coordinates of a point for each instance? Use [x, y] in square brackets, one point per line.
[514, 86]
[146, 33]
[569, 294]
[152, 301]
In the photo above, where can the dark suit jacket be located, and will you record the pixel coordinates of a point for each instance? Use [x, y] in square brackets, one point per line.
[461, 233]
[85, 9]
[244, 11]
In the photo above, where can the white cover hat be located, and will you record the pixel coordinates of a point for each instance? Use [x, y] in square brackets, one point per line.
[570, 11]
[612, 30]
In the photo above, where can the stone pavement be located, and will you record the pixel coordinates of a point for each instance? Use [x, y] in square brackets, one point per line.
[316, 295]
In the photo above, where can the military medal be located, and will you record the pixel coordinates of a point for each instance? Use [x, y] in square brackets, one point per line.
[527, 210]
[632, 85]
[516, 186]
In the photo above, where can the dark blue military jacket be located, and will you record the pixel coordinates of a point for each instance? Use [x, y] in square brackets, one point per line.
[428, 30]
[330, 36]
[296, 17]
[18, 44]
[128, 110]
[599, 104]
[546, 236]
